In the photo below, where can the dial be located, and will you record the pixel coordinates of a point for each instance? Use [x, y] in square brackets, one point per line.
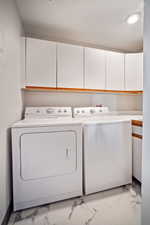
[92, 111]
[50, 111]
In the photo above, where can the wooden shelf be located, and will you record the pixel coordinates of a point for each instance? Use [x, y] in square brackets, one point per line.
[35, 88]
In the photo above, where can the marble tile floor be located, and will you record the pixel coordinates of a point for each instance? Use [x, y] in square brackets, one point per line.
[120, 206]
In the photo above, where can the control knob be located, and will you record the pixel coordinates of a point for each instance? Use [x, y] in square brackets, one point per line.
[37, 111]
[50, 111]
[92, 111]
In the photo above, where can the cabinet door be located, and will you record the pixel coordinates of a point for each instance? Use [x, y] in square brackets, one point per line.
[95, 68]
[137, 158]
[141, 72]
[115, 71]
[134, 71]
[40, 63]
[69, 66]
[22, 62]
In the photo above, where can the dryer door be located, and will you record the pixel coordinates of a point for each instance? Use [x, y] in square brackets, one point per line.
[48, 154]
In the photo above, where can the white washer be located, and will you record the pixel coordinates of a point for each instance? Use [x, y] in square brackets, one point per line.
[47, 157]
[107, 149]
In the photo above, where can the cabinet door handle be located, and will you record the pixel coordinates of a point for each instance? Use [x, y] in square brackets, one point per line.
[68, 152]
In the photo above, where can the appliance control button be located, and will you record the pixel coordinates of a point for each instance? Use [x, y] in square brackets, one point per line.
[65, 111]
[50, 111]
[83, 111]
[92, 111]
[78, 111]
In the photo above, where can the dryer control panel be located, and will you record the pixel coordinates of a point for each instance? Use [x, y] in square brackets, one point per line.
[47, 112]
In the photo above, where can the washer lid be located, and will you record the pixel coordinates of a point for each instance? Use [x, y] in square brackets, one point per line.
[97, 121]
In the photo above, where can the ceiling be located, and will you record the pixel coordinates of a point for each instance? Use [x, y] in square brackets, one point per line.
[95, 23]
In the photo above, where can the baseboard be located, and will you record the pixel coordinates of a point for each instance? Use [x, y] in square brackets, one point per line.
[7, 216]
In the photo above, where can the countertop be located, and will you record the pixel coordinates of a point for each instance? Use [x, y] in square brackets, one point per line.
[137, 119]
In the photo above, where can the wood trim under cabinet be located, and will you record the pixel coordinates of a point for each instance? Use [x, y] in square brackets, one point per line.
[137, 136]
[35, 88]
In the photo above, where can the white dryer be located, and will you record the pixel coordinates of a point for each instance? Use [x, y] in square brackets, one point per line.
[47, 157]
[107, 149]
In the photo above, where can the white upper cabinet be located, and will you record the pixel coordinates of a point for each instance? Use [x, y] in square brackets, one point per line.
[134, 71]
[40, 63]
[95, 68]
[115, 71]
[141, 72]
[22, 62]
[69, 66]
[50, 64]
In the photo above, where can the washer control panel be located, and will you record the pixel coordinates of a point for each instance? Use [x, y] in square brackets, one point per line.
[47, 112]
[90, 111]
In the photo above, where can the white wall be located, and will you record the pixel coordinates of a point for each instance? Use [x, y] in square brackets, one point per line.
[10, 94]
[115, 102]
[119, 102]
[146, 101]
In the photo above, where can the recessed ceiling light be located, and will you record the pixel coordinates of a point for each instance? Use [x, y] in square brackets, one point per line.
[134, 18]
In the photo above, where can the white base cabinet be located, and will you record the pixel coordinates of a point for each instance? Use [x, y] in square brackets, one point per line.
[137, 158]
